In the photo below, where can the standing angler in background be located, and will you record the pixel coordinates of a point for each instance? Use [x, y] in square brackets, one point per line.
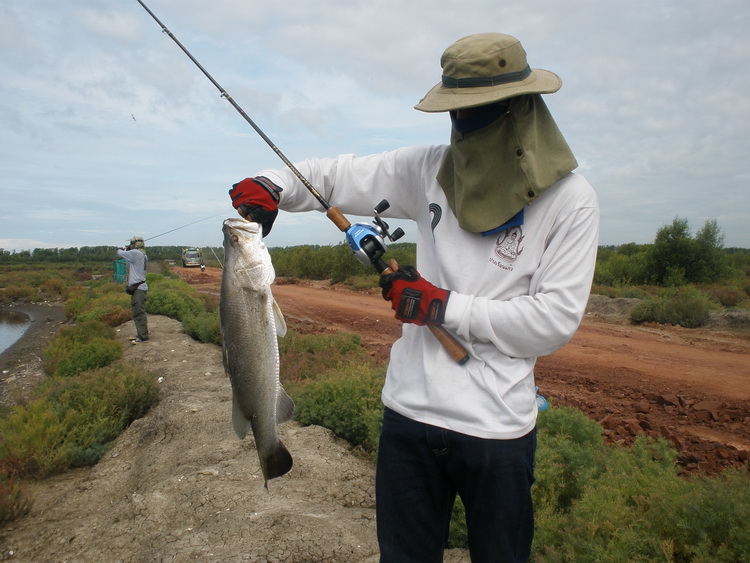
[507, 234]
[135, 255]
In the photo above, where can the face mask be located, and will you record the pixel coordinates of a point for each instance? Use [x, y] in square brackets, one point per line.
[493, 172]
[478, 117]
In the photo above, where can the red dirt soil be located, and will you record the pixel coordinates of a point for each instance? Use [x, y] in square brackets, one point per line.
[691, 386]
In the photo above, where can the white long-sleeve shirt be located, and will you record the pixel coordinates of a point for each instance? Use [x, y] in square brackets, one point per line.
[514, 296]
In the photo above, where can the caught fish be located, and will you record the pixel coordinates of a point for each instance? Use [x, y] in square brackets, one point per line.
[250, 323]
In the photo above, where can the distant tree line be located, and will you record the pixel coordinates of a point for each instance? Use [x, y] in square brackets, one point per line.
[675, 258]
[88, 254]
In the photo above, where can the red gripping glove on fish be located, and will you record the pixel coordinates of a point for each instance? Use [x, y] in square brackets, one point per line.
[414, 299]
[257, 199]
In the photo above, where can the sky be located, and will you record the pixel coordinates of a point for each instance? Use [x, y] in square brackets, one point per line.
[108, 130]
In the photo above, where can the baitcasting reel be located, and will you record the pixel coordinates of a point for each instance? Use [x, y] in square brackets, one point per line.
[368, 242]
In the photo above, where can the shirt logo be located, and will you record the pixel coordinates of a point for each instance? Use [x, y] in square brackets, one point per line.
[508, 245]
[437, 213]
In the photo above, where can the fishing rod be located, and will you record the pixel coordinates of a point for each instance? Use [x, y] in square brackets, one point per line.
[366, 242]
[235, 105]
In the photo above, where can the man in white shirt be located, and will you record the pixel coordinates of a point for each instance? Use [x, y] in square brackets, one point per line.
[507, 237]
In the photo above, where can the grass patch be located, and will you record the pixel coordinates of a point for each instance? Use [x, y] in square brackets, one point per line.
[345, 400]
[72, 346]
[172, 298]
[600, 502]
[309, 356]
[15, 500]
[96, 353]
[684, 306]
[204, 327]
[72, 421]
[334, 384]
[89, 398]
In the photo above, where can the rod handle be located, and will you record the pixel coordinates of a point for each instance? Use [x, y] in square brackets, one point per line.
[335, 215]
[449, 342]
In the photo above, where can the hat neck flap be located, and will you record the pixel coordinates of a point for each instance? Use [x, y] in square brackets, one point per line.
[491, 174]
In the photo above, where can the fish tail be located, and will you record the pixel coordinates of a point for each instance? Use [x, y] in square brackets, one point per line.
[277, 462]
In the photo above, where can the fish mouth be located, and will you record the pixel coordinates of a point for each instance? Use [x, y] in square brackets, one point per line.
[236, 223]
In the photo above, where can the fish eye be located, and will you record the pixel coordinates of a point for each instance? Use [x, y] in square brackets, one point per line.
[235, 238]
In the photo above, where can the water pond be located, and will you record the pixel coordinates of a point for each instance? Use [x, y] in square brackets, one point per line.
[12, 326]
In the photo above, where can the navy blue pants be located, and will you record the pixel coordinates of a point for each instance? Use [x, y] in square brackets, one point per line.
[420, 470]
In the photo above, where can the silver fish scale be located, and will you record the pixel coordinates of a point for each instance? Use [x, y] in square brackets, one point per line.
[253, 357]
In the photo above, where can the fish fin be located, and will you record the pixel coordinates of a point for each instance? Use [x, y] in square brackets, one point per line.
[279, 317]
[277, 462]
[225, 360]
[241, 424]
[284, 406]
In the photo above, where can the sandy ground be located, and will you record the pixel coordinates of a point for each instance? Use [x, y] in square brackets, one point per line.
[179, 486]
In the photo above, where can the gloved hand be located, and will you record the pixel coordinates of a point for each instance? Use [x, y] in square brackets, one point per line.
[414, 299]
[257, 199]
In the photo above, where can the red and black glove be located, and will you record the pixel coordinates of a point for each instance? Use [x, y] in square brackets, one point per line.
[414, 299]
[257, 199]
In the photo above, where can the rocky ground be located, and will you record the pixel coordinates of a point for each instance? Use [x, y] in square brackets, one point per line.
[179, 486]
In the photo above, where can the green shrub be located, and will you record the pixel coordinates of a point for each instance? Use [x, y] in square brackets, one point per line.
[347, 401]
[96, 353]
[727, 296]
[74, 304]
[622, 269]
[54, 287]
[71, 337]
[172, 298]
[210, 301]
[597, 502]
[204, 327]
[684, 306]
[335, 262]
[571, 451]
[458, 536]
[72, 421]
[704, 518]
[15, 500]
[363, 282]
[105, 302]
[19, 293]
[306, 356]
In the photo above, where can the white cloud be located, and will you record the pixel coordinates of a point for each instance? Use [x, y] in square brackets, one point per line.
[108, 128]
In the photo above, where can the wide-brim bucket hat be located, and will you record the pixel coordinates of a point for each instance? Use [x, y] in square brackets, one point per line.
[484, 68]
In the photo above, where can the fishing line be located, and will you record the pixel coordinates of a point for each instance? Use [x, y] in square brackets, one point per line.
[178, 228]
[217, 258]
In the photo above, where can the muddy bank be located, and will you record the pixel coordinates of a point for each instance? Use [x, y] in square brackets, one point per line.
[20, 364]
